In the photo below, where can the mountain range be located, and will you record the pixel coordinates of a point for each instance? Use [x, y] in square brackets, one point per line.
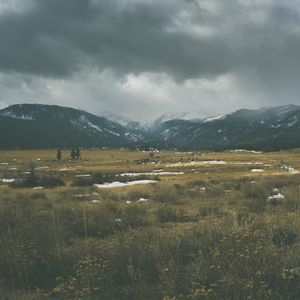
[29, 126]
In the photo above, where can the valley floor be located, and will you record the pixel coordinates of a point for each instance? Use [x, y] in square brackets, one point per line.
[139, 225]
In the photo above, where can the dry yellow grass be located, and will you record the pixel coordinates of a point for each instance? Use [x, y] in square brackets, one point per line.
[208, 233]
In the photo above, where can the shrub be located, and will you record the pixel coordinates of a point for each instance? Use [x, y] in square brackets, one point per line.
[169, 214]
[283, 236]
[46, 181]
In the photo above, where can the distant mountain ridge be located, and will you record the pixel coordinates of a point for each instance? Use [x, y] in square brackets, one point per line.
[44, 126]
[272, 128]
[29, 126]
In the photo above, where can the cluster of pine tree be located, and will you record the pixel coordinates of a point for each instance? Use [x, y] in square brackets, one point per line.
[75, 154]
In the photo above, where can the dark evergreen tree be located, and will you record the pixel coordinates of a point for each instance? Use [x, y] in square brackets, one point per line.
[73, 154]
[77, 152]
[59, 155]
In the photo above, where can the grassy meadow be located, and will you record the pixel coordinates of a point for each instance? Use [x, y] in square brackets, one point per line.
[203, 230]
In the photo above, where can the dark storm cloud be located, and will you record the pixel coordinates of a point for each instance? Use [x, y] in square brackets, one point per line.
[215, 55]
[57, 37]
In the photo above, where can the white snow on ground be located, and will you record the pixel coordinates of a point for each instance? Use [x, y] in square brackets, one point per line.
[142, 200]
[6, 180]
[95, 201]
[292, 121]
[81, 195]
[257, 170]
[276, 198]
[4, 163]
[111, 132]
[67, 169]
[194, 163]
[214, 162]
[151, 174]
[83, 175]
[247, 151]
[214, 118]
[84, 122]
[38, 188]
[44, 167]
[15, 116]
[123, 184]
[245, 163]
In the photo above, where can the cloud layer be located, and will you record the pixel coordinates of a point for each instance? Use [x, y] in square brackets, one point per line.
[147, 57]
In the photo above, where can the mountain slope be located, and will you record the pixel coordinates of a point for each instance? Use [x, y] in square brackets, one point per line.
[266, 129]
[42, 126]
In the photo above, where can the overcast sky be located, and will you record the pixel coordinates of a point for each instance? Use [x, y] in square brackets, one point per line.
[141, 58]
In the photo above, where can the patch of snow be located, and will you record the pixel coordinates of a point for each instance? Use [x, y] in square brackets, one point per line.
[247, 151]
[4, 163]
[214, 118]
[123, 184]
[285, 109]
[128, 202]
[214, 162]
[83, 175]
[6, 180]
[162, 173]
[38, 188]
[81, 195]
[12, 115]
[141, 200]
[133, 137]
[276, 126]
[292, 121]
[276, 199]
[39, 168]
[95, 201]
[257, 170]
[112, 132]
[84, 122]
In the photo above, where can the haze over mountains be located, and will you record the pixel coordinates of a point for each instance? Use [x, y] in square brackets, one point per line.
[28, 126]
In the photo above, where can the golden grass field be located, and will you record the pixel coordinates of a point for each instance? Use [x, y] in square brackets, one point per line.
[207, 232]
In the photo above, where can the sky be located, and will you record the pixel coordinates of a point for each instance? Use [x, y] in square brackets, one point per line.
[142, 58]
